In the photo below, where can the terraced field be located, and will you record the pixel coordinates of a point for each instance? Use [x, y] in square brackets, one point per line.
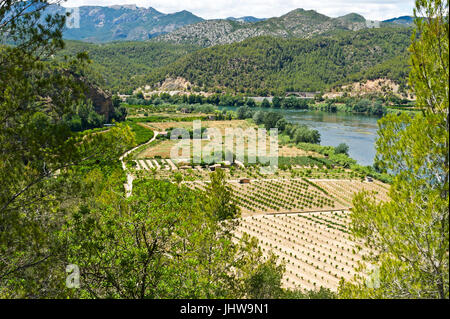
[315, 247]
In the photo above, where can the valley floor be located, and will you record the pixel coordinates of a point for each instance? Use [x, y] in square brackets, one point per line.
[301, 214]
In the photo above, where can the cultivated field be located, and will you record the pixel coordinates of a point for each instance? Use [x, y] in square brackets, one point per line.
[344, 190]
[269, 196]
[222, 125]
[315, 247]
[300, 212]
[162, 149]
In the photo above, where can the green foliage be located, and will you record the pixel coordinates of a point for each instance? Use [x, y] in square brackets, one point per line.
[141, 133]
[163, 242]
[220, 202]
[33, 145]
[244, 112]
[265, 65]
[281, 124]
[430, 57]
[343, 160]
[271, 119]
[367, 106]
[341, 149]
[297, 133]
[396, 68]
[322, 293]
[84, 117]
[410, 234]
[265, 280]
[300, 133]
[276, 102]
[122, 66]
[294, 103]
[165, 118]
[40, 157]
[120, 112]
[258, 117]
[302, 161]
[265, 103]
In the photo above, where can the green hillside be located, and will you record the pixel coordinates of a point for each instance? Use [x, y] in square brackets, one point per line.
[123, 65]
[265, 65]
[261, 65]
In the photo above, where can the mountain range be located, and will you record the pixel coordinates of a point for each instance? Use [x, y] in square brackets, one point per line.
[127, 22]
[404, 20]
[259, 65]
[248, 19]
[298, 23]
[274, 65]
[99, 24]
[295, 24]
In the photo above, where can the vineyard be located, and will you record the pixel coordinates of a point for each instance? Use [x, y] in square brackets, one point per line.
[266, 196]
[344, 190]
[316, 247]
[280, 195]
[299, 212]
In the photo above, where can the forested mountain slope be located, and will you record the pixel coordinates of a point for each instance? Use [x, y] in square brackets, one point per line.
[132, 23]
[123, 66]
[265, 65]
[261, 65]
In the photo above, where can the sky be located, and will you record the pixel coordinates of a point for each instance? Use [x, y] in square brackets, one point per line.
[219, 9]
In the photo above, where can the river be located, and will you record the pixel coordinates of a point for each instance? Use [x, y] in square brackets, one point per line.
[358, 131]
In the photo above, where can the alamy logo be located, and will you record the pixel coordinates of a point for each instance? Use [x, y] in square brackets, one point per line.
[233, 145]
[372, 24]
[373, 280]
[73, 279]
[73, 20]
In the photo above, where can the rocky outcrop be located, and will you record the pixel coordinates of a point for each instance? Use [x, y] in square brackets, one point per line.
[381, 86]
[298, 23]
[101, 100]
[171, 84]
[78, 87]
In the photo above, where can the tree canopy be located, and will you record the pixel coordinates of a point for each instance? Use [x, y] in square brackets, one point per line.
[409, 235]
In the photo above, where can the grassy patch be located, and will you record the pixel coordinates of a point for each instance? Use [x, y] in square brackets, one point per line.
[142, 134]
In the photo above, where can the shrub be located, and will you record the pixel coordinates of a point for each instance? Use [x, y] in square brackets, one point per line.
[341, 149]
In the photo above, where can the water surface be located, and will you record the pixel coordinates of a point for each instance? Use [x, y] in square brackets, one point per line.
[358, 131]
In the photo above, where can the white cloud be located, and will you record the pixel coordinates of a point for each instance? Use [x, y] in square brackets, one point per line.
[214, 9]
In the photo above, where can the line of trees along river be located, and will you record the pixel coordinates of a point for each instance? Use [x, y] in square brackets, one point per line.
[358, 131]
